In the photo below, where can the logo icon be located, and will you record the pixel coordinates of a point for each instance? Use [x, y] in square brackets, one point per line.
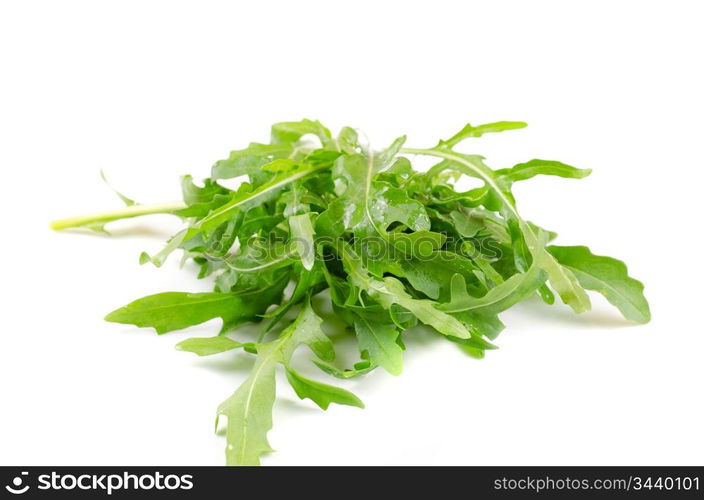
[17, 483]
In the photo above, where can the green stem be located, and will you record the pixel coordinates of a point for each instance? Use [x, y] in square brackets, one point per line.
[123, 213]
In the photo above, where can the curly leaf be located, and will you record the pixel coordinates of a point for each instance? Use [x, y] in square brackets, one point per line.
[390, 291]
[249, 160]
[499, 298]
[367, 206]
[170, 311]
[607, 276]
[361, 368]
[206, 346]
[530, 169]
[249, 410]
[379, 341]
[287, 132]
[321, 394]
[470, 131]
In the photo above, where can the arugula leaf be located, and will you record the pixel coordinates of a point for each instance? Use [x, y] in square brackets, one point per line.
[302, 235]
[499, 298]
[607, 276]
[470, 131]
[173, 244]
[321, 394]
[421, 244]
[206, 346]
[348, 140]
[249, 411]
[369, 207]
[379, 341]
[169, 311]
[307, 330]
[286, 132]
[468, 225]
[390, 291]
[432, 274]
[201, 200]
[249, 160]
[530, 169]
[361, 368]
[390, 247]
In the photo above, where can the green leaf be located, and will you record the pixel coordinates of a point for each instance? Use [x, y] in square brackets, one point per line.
[501, 297]
[280, 165]
[530, 169]
[379, 341]
[249, 410]
[360, 369]
[307, 330]
[348, 140]
[389, 204]
[468, 225]
[159, 258]
[391, 291]
[302, 238]
[321, 394]
[322, 158]
[421, 244]
[432, 274]
[470, 131]
[206, 346]
[386, 157]
[607, 276]
[563, 281]
[169, 311]
[287, 132]
[481, 323]
[194, 195]
[369, 207]
[474, 341]
[293, 201]
[249, 160]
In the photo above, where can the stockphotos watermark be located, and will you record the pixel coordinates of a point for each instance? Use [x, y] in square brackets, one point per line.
[107, 483]
[259, 252]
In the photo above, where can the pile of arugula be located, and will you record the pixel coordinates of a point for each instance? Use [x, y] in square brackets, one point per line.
[394, 247]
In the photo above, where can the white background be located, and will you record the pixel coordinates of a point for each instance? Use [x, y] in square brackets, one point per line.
[149, 91]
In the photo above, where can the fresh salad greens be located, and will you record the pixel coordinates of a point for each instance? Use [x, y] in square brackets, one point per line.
[390, 247]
